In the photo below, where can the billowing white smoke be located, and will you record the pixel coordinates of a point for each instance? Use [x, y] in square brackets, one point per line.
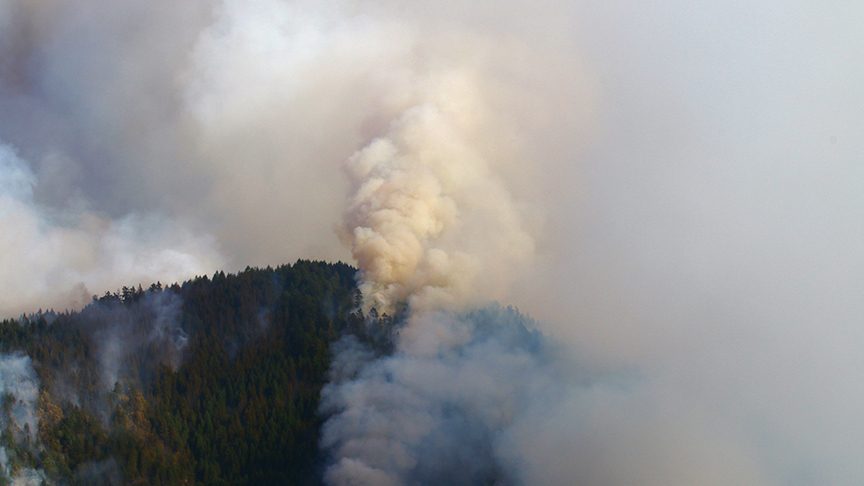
[282, 93]
[233, 119]
[435, 229]
[429, 219]
[54, 258]
[437, 113]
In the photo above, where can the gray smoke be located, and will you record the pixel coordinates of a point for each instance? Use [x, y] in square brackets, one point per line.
[686, 174]
[19, 391]
[233, 120]
[55, 257]
[131, 341]
[436, 411]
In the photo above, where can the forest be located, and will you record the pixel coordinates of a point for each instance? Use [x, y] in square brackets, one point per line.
[215, 381]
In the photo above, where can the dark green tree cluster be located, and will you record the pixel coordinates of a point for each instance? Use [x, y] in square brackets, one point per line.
[216, 381]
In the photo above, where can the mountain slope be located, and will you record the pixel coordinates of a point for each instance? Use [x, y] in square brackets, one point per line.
[215, 381]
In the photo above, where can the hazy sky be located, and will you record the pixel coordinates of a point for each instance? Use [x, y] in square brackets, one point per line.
[690, 173]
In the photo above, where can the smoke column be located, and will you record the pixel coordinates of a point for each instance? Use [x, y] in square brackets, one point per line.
[423, 197]
[677, 197]
[432, 227]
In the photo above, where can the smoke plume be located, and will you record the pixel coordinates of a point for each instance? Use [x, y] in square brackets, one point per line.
[434, 228]
[424, 197]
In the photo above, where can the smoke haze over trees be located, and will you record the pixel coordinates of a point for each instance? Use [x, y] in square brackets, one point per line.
[215, 381]
[672, 189]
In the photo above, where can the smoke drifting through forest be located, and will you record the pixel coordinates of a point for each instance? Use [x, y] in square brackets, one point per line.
[441, 409]
[19, 390]
[683, 176]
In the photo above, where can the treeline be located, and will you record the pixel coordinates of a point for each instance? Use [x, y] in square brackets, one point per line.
[215, 381]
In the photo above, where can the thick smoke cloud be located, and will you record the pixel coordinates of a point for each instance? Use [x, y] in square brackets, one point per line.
[686, 172]
[233, 119]
[54, 258]
[420, 191]
[434, 411]
[721, 229]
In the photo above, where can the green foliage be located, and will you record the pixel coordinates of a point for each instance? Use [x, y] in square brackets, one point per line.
[225, 394]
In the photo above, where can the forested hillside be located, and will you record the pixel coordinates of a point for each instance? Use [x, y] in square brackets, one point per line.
[214, 381]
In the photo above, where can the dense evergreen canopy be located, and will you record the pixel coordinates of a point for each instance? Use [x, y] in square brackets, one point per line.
[215, 381]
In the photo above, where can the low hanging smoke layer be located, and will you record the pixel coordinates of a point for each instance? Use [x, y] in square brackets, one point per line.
[676, 192]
